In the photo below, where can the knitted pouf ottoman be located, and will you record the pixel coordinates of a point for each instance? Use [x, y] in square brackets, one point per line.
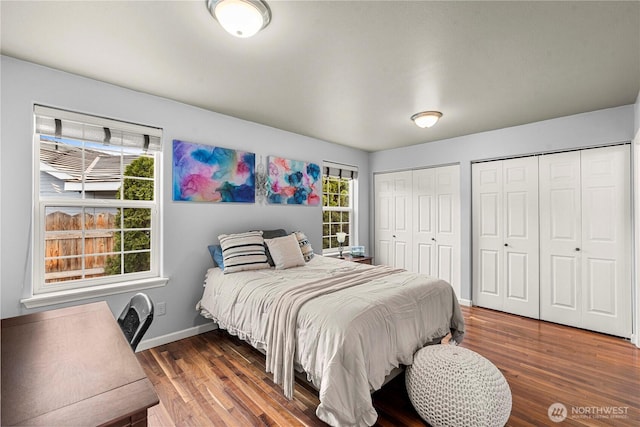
[454, 386]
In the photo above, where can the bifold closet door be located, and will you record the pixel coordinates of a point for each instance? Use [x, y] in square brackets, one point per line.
[505, 235]
[585, 250]
[436, 223]
[393, 219]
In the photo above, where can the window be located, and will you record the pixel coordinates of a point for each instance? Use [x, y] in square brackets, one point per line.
[338, 197]
[96, 217]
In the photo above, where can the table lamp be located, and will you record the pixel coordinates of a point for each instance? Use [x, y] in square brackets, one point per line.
[341, 239]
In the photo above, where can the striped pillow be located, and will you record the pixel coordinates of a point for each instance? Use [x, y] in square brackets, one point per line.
[243, 251]
[305, 246]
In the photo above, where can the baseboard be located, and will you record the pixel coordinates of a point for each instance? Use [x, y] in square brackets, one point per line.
[465, 302]
[175, 336]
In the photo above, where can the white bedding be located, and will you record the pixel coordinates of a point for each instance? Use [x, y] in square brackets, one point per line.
[346, 341]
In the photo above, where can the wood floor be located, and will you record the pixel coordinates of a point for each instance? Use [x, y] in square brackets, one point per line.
[215, 380]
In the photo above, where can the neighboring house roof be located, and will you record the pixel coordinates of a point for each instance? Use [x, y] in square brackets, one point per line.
[101, 171]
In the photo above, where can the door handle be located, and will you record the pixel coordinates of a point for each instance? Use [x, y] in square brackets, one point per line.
[433, 239]
[506, 244]
[577, 249]
[394, 236]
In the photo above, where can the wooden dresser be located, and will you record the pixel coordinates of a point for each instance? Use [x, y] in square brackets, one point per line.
[71, 366]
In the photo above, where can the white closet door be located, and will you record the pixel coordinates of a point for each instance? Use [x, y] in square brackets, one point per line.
[505, 235]
[606, 240]
[520, 254]
[560, 238]
[383, 219]
[393, 219]
[447, 225]
[487, 234]
[436, 223]
[402, 220]
[586, 239]
[424, 236]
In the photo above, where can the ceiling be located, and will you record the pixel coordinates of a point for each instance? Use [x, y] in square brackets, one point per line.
[350, 72]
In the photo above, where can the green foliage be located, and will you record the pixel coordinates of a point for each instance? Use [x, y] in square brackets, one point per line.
[335, 194]
[133, 219]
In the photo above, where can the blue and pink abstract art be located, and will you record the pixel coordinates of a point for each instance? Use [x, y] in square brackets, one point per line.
[203, 173]
[293, 182]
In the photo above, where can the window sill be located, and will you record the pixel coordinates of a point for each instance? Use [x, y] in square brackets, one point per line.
[52, 298]
[336, 253]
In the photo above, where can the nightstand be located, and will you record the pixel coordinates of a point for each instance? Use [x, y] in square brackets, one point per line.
[360, 259]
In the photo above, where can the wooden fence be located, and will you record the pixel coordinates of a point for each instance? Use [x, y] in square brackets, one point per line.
[64, 238]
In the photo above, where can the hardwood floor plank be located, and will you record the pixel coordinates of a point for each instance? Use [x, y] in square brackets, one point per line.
[218, 380]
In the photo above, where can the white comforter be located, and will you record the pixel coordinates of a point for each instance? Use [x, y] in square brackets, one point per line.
[346, 341]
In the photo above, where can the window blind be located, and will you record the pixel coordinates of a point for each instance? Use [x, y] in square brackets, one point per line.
[339, 170]
[83, 127]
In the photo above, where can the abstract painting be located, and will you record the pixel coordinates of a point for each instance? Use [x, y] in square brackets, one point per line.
[293, 182]
[203, 173]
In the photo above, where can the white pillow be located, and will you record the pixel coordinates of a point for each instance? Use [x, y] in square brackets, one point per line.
[285, 251]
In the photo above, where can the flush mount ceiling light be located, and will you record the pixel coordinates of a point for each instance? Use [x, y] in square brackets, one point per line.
[241, 18]
[426, 119]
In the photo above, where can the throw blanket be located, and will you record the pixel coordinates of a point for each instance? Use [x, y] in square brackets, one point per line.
[281, 326]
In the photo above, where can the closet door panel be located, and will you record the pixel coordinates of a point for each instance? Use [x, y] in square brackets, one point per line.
[606, 240]
[393, 219]
[423, 261]
[490, 212]
[517, 276]
[383, 219]
[400, 252]
[487, 234]
[445, 214]
[445, 262]
[436, 237]
[424, 217]
[560, 230]
[563, 285]
[520, 254]
[402, 229]
[489, 280]
[383, 252]
[447, 224]
[601, 295]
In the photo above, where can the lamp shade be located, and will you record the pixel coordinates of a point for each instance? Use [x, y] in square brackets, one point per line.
[341, 237]
[240, 18]
[426, 119]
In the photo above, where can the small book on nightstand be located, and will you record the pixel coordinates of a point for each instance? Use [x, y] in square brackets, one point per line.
[357, 251]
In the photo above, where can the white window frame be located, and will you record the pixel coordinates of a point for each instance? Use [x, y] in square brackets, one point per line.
[59, 292]
[353, 188]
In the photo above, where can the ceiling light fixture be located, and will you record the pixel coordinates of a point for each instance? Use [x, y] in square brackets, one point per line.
[241, 18]
[426, 119]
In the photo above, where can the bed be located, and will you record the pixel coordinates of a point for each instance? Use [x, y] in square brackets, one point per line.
[346, 325]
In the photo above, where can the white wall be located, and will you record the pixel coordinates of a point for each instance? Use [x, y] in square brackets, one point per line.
[188, 227]
[583, 130]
